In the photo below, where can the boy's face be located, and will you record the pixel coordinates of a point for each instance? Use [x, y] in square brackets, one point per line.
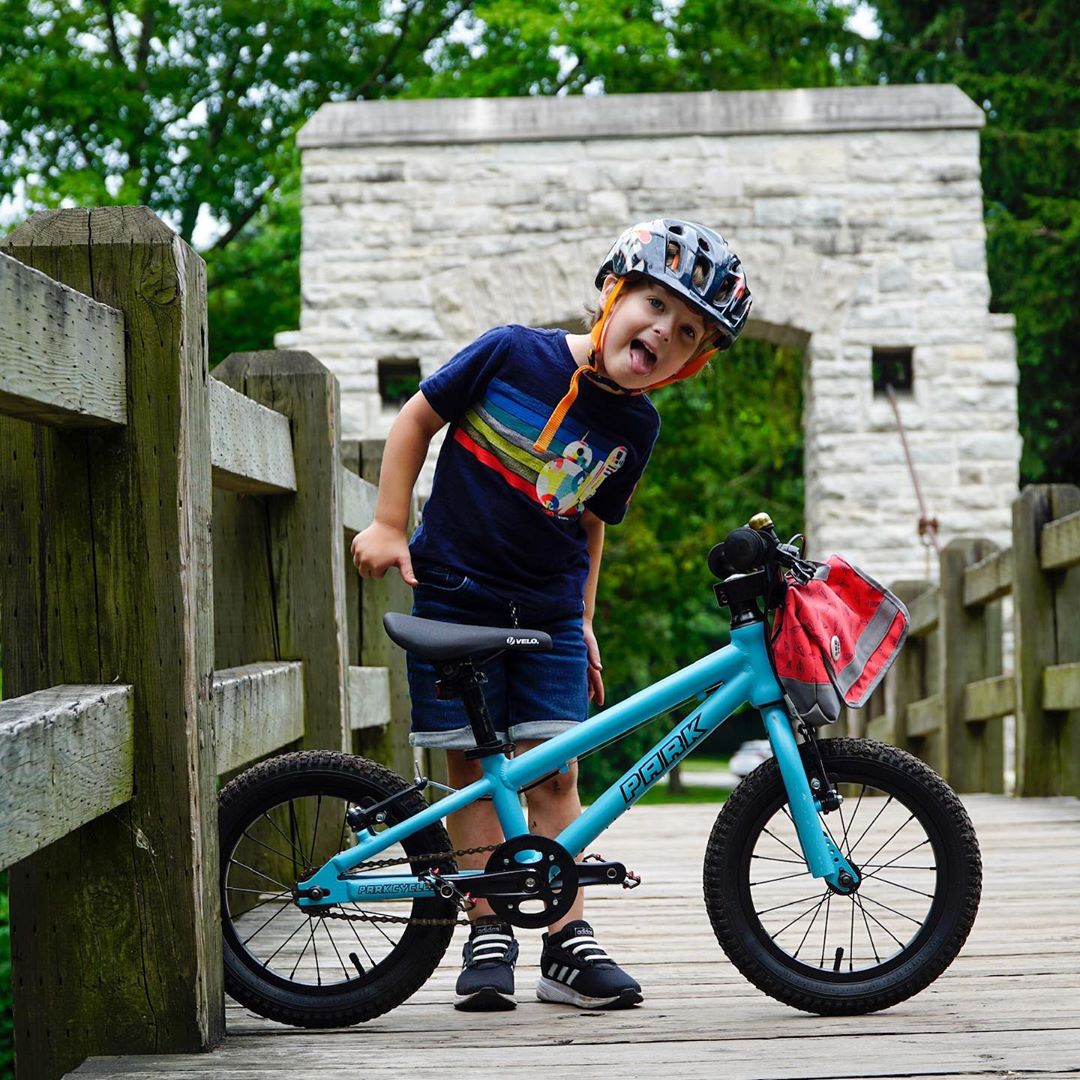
[651, 334]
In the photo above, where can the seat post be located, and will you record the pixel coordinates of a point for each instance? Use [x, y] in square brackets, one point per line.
[462, 679]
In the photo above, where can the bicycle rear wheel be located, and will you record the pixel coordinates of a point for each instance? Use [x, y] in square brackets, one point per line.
[910, 838]
[279, 821]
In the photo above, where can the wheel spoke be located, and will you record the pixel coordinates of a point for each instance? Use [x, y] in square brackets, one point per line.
[870, 826]
[810, 926]
[778, 907]
[259, 873]
[898, 885]
[900, 914]
[284, 907]
[825, 932]
[815, 908]
[333, 945]
[783, 877]
[882, 847]
[881, 924]
[782, 844]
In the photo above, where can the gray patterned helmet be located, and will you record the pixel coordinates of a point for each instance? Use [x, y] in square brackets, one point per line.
[701, 269]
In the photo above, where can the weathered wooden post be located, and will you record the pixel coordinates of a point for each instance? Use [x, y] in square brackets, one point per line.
[106, 577]
[904, 682]
[1046, 608]
[970, 642]
[391, 743]
[305, 532]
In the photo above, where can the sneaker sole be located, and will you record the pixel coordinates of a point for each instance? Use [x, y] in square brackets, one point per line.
[486, 1000]
[557, 994]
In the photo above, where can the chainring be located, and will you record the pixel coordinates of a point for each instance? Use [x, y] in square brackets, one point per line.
[553, 890]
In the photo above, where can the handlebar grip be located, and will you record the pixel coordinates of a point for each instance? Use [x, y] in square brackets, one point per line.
[746, 549]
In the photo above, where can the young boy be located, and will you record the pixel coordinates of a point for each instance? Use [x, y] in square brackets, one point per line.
[549, 433]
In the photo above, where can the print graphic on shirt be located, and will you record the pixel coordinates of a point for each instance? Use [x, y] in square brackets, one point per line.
[499, 432]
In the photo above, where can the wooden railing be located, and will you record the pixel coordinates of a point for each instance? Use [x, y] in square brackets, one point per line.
[947, 695]
[174, 605]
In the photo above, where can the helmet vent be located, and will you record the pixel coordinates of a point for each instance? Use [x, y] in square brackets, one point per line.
[702, 272]
[676, 229]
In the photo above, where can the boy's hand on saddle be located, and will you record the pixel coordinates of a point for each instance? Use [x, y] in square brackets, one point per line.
[378, 548]
[596, 681]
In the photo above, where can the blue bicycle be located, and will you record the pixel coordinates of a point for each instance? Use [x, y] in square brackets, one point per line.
[842, 876]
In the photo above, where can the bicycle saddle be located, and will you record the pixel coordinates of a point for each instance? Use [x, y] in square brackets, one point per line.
[433, 640]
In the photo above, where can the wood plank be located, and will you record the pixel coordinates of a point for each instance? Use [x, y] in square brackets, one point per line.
[989, 579]
[970, 649]
[358, 501]
[66, 758]
[1006, 1005]
[61, 353]
[1061, 687]
[250, 445]
[923, 612]
[369, 697]
[388, 744]
[1061, 543]
[989, 698]
[925, 717]
[258, 708]
[1035, 649]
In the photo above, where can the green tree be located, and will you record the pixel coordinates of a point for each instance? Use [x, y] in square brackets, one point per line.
[192, 107]
[1021, 63]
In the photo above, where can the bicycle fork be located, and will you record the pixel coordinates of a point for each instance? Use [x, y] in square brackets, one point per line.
[823, 858]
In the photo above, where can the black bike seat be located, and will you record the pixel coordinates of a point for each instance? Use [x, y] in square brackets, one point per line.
[433, 640]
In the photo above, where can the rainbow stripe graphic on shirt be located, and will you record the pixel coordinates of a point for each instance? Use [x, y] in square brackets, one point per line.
[499, 432]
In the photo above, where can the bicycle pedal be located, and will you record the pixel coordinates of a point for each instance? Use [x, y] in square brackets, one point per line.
[632, 880]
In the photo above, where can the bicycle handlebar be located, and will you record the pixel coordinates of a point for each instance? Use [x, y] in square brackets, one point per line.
[747, 549]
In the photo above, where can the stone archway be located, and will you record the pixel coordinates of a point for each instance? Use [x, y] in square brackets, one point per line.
[856, 212]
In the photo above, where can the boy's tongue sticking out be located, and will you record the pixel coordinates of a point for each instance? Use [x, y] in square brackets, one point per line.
[642, 358]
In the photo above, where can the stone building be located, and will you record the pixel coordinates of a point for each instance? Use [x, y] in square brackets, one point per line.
[857, 214]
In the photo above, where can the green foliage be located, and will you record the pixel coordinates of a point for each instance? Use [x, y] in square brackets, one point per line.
[730, 445]
[7, 1030]
[1020, 62]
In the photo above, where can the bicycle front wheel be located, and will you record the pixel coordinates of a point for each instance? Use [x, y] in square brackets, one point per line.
[910, 839]
[281, 820]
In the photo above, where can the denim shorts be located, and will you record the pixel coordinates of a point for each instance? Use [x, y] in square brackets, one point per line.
[529, 695]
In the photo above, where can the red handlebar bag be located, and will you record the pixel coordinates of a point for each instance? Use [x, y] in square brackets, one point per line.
[834, 638]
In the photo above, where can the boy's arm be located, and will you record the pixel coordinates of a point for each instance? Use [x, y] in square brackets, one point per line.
[385, 543]
[594, 541]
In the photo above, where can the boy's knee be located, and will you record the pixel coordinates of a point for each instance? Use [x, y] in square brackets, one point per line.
[561, 785]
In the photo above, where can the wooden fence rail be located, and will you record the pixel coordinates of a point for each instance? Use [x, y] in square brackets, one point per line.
[174, 608]
[947, 696]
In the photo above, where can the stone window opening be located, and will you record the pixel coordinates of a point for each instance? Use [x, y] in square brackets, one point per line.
[399, 379]
[893, 367]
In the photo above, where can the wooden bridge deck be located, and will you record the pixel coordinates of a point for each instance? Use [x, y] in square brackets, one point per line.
[1009, 1005]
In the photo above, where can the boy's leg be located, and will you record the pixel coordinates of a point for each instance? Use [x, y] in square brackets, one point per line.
[475, 825]
[574, 968]
[486, 982]
[553, 805]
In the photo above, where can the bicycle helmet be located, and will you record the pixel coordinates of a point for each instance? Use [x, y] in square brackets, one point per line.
[692, 261]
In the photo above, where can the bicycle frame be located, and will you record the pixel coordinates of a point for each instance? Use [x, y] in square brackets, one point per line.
[722, 682]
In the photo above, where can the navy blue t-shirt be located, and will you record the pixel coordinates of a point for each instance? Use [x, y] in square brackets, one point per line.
[503, 513]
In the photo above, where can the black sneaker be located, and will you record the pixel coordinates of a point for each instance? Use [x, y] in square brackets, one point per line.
[575, 970]
[486, 983]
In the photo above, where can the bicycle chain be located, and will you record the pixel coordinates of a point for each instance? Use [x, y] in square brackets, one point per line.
[378, 864]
